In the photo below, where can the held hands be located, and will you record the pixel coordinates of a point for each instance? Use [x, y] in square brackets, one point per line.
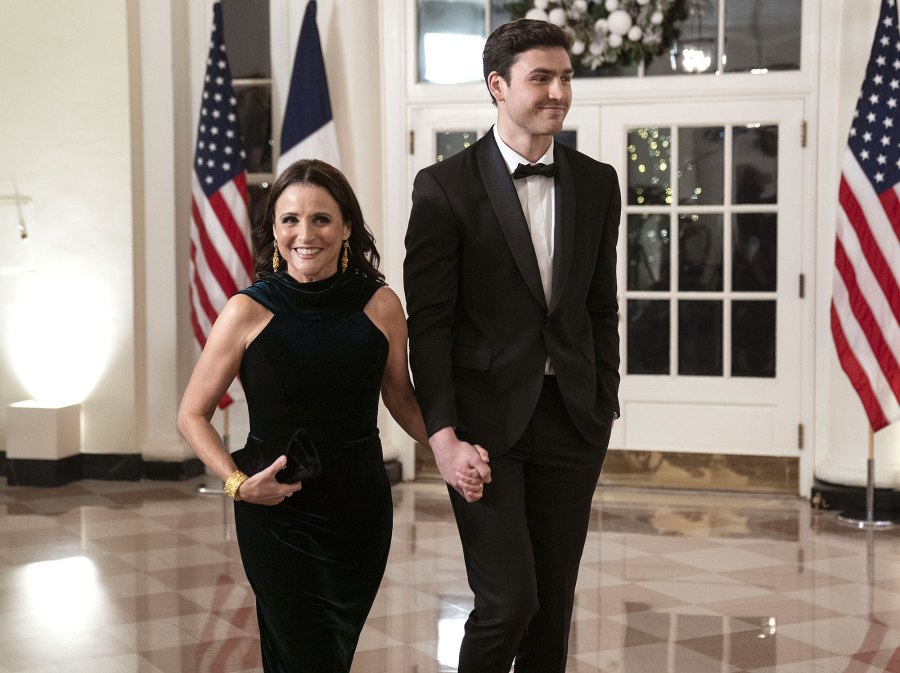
[263, 489]
[462, 465]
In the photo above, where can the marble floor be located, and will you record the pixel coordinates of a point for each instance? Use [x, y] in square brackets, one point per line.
[110, 577]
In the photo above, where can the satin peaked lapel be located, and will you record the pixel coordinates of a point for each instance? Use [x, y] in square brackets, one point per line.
[564, 234]
[508, 208]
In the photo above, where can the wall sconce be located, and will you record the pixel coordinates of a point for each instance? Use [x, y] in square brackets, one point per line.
[16, 218]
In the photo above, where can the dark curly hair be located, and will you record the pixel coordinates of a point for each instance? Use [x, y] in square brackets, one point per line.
[504, 45]
[363, 257]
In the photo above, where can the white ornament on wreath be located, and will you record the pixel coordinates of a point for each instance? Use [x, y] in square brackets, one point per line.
[541, 4]
[619, 22]
[558, 17]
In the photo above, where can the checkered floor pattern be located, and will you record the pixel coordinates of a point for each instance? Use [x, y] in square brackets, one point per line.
[115, 577]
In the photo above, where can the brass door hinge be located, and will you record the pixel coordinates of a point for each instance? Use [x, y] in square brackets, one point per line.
[800, 437]
[803, 133]
[412, 142]
[802, 286]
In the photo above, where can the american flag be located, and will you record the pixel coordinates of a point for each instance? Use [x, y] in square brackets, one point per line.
[865, 308]
[221, 262]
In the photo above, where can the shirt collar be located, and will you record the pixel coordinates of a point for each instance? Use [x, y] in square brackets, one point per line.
[513, 158]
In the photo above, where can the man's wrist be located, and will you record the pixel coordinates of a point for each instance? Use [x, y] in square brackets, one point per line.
[442, 438]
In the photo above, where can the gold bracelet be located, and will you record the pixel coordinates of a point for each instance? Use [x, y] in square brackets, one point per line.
[234, 483]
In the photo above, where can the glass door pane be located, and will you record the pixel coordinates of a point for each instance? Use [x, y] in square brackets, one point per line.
[451, 38]
[761, 35]
[246, 27]
[711, 325]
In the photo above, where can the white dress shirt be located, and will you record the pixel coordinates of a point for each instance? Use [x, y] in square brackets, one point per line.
[536, 194]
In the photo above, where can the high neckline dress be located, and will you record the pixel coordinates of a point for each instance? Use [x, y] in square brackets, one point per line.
[316, 560]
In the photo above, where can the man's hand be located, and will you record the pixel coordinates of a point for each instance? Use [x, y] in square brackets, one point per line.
[462, 465]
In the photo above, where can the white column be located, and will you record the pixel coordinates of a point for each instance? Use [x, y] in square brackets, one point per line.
[158, 281]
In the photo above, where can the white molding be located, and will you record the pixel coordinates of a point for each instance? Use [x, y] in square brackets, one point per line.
[396, 182]
[156, 323]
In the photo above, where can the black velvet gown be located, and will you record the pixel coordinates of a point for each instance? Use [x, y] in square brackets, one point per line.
[315, 561]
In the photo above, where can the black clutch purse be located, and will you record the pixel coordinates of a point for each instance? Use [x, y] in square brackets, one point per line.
[302, 458]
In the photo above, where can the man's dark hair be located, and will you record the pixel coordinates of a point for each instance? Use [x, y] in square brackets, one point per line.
[504, 45]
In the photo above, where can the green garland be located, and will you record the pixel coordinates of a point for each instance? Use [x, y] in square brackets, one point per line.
[620, 32]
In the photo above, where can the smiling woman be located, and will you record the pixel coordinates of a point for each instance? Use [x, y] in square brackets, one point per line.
[315, 218]
[310, 231]
[315, 340]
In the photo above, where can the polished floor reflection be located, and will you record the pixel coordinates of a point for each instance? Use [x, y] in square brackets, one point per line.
[110, 577]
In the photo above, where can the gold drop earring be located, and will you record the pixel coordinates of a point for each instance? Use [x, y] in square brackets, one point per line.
[344, 256]
[275, 260]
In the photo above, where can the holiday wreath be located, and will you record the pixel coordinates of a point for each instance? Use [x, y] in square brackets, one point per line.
[609, 31]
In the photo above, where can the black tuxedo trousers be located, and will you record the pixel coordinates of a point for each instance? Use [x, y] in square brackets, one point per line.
[523, 541]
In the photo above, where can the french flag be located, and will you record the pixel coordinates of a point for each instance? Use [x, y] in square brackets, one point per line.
[308, 131]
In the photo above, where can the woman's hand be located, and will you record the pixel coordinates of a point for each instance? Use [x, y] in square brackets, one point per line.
[263, 489]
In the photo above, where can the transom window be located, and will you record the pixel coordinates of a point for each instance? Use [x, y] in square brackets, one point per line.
[724, 36]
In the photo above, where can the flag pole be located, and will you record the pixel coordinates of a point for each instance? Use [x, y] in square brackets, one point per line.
[867, 520]
[870, 479]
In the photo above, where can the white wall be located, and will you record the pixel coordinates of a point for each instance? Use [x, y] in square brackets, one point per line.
[65, 142]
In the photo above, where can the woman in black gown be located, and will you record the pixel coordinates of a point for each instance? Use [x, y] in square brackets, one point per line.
[314, 340]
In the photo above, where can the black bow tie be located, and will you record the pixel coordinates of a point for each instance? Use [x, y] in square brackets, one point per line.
[523, 170]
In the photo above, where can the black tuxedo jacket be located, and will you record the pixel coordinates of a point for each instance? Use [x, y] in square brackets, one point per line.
[480, 328]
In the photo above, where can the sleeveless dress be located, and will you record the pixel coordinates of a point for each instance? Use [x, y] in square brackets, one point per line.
[315, 561]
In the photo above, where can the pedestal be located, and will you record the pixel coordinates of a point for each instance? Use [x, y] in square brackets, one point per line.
[43, 444]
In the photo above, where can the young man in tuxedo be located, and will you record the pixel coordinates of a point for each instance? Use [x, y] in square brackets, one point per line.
[510, 278]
